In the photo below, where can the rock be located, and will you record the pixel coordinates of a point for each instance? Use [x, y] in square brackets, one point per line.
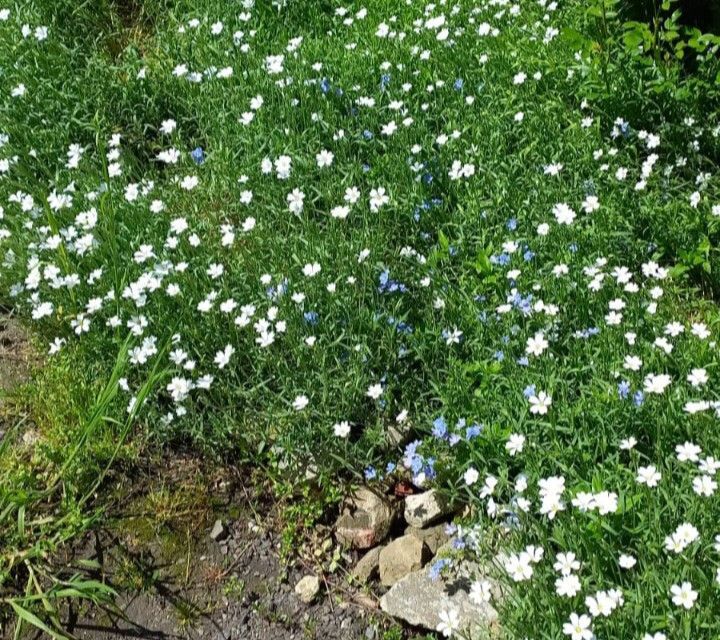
[308, 588]
[433, 537]
[368, 566]
[219, 532]
[423, 509]
[400, 557]
[366, 520]
[398, 434]
[418, 600]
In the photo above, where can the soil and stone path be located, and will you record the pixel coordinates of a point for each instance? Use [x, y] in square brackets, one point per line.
[195, 553]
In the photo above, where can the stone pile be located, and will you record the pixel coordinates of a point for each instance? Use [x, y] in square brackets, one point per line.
[418, 523]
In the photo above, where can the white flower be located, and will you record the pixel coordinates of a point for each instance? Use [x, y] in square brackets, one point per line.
[590, 204]
[324, 158]
[168, 126]
[649, 476]
[295, 201]
[453, 337]
[341, 429]
[578, 628]
[300, 403]
[480, 592]
[540, 403]
[515, 444]
[656, 383]
[352, 195]
[688, 452]
[471, 476]
[566, 563]
[374, 391]
[378, 198]
[704, 485]
[567, 586]
[563, 213]
[697, 377]
[683, 595]
[340, 212]
[189, 182]
[274, 64]
[222, 358]
[449, 622]
[536, 345]
[627, 561]
[311, 269]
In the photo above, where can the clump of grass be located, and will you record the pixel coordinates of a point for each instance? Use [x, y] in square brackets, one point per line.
[47, 498]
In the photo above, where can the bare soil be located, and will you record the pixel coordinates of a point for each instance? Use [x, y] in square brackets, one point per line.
[176, 582]
[15, 355]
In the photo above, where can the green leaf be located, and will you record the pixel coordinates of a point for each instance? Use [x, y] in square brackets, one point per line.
[31, 618]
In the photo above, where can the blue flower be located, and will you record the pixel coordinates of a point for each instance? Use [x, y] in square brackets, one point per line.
[198, 155]
[638, 398]
[439, 429]
[623, 389]
[311, 317]
[370, 473]
[503, 259]
[529, 391]
[511, 224]
[325, 85]
[512, 521]
[416, 464]
[437, 567]
[473, 431]
[458, 84]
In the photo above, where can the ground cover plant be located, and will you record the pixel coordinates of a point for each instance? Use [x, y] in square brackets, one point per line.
[490, 226]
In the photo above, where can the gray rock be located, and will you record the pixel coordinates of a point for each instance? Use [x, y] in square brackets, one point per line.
[433, 537]
[308, 588]
[219, 532]
[423, 509]
[400, 557]
[418, 600]
[366, 519]
[398, 434]
[368, 566]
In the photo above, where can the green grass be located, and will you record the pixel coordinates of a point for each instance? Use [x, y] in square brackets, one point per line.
[481, 254]
[49, 484]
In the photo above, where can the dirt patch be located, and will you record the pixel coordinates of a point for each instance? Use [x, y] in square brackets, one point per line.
[176, 582]
[15, 355]
[16, 361]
